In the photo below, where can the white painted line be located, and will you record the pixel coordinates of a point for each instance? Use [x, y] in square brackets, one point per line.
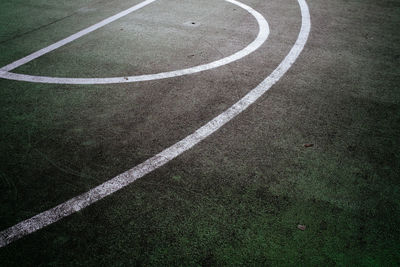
[73, 37]
[260, 39]
[77, 203]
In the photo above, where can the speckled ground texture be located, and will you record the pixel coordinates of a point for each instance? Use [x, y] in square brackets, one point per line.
[236, 198]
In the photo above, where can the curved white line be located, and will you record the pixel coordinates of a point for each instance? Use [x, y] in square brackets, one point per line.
[77, 203]
[260, 39]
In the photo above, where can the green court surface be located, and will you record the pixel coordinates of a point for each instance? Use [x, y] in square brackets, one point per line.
[238, 196]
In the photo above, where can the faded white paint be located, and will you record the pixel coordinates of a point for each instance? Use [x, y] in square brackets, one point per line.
[260, 39]
[77, 203]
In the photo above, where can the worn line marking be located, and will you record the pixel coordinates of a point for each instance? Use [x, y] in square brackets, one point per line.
[77, 203]
[73, 37]
[260, 39]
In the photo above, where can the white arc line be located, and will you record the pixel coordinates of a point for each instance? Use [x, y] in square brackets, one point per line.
[254, 45]
[77, 203]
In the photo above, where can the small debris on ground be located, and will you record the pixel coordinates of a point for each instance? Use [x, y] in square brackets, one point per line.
[308, 145]
[301, 227]
[126, 78]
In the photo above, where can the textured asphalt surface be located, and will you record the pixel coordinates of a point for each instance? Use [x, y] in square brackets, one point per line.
[237, 197]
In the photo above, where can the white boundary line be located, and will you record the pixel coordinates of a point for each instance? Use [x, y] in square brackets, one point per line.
[73, 37]
[260, 39]
[77, 203]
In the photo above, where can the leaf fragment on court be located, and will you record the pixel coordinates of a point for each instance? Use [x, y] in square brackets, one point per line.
[301, 227]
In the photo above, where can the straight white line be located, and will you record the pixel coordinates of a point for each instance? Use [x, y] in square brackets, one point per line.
[73, 37]
[260, 39]
[77, 203]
